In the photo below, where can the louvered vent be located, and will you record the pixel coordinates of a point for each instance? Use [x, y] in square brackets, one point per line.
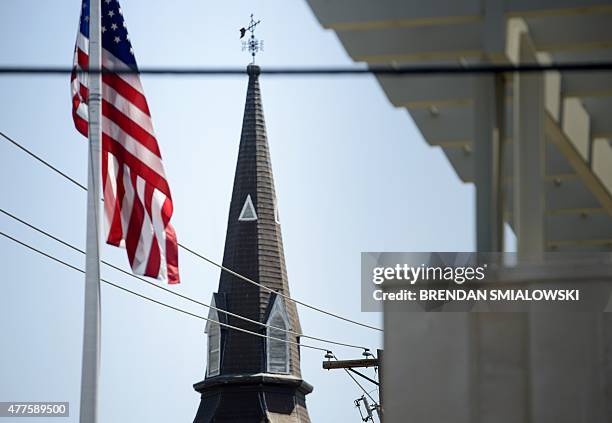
[278, 351]
[214, 343]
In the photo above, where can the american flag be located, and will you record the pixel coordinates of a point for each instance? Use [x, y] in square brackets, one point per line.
[137, 200]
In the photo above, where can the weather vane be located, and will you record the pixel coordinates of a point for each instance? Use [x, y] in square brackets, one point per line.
[253, 45]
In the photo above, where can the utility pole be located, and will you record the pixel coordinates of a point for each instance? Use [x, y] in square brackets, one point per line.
[349, 367]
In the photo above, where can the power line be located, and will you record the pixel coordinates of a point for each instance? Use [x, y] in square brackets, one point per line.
[220, 266]
[229, 313]
[287, 297]
[49, 256]
[387, 70]
[360, 386]
[46, 163]
[357, 382]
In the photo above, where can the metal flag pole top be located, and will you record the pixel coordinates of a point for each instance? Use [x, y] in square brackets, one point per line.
[90, 369]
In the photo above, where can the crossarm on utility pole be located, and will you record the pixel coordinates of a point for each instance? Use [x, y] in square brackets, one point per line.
[350, 364]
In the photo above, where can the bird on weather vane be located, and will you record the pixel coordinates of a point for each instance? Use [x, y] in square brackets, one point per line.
[252, 45]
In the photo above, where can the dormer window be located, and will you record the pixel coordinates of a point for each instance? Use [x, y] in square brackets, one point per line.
[248, 211]
[214, 343]
[278, 350]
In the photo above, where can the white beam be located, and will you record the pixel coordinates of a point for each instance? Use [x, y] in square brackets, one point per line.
[488, 121]
[363, 15]
[529, 156]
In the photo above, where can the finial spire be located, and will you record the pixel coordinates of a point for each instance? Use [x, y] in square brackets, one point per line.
[253, 45]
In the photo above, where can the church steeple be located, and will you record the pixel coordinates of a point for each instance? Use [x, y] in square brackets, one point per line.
[249, 378]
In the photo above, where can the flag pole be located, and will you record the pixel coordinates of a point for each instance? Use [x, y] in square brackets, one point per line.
[91, 321]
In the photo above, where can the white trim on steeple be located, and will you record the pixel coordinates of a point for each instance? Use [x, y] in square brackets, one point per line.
[248, 211]
[276, 215]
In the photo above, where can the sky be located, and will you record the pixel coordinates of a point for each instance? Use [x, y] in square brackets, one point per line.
[352, 174]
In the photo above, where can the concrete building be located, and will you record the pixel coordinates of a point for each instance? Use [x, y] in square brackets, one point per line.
[250, 378]
[537, 147]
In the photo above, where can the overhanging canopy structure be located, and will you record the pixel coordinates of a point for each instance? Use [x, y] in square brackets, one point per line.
[553, 164]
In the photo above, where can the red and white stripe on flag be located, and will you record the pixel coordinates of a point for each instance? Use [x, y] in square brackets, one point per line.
[137, 200]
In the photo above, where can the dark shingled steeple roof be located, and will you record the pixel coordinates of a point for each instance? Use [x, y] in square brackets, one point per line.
[244, 390]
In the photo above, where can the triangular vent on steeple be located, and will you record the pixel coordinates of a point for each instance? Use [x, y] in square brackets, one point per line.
[248, 211]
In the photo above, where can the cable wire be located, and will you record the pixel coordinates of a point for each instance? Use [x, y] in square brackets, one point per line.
[46, 163]
[49, 256]
[229, 313]
[358, 384]
[220, 266]
[287, 297]
[388, 70]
